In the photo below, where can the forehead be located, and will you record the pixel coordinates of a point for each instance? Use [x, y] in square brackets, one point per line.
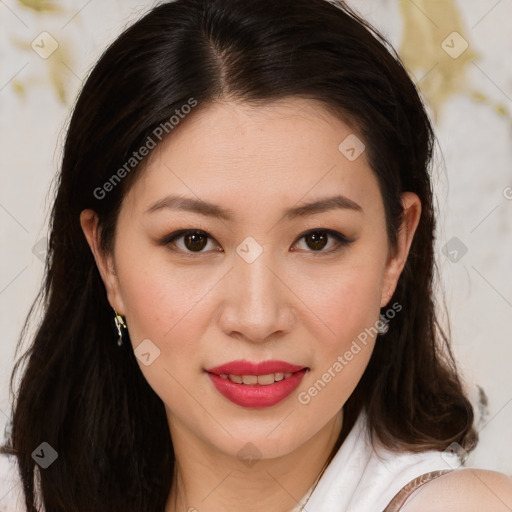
[280, 151]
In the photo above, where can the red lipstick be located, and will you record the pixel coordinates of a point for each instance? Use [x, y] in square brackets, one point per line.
[287, 378]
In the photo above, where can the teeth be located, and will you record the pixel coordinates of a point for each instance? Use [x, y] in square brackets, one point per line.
[250, 379]
[262, 380]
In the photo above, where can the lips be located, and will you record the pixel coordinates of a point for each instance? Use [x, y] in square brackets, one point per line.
[256, 385]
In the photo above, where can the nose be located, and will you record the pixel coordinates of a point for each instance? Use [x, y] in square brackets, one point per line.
[258, 303]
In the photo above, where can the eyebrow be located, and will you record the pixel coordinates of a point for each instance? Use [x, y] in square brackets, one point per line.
[212, 210]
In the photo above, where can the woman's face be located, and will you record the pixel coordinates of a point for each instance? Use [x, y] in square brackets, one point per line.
[253, 285]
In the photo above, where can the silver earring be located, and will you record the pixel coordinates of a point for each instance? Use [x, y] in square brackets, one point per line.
[119, 321]
[382, 324]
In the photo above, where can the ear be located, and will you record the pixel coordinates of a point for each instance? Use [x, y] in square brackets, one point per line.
[104, 262]
[396, 262]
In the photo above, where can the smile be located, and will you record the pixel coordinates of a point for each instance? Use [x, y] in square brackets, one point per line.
[256, 385]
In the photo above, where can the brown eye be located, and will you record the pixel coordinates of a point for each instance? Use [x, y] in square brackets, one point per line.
[188, 241]
[316, 240]
[195, 241]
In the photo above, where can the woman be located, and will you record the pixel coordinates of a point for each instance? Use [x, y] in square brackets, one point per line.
[239, 309]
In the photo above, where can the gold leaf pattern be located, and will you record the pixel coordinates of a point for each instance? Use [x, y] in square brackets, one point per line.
[427, 24]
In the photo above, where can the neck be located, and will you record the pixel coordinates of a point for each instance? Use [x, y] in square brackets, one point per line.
[207, 480]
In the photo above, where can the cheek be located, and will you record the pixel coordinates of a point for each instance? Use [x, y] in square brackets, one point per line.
[345, 299]
[158, 298]
[347, 308]
[166, 306]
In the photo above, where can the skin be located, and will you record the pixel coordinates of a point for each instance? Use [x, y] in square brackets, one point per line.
[465, 490]
[292, 303]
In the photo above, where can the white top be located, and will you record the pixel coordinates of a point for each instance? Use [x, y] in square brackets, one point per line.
[356, 480]
[360, 480]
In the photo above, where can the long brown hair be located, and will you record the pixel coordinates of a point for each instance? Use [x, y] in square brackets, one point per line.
[85, 396]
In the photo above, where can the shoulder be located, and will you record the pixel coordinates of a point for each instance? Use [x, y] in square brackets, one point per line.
[466, 490]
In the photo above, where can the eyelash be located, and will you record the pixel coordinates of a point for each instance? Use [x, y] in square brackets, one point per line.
[341, 240]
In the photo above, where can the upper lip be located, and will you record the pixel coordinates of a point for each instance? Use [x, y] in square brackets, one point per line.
[244, 367]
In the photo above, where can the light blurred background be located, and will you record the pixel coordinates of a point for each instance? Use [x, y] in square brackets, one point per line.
[458, 52]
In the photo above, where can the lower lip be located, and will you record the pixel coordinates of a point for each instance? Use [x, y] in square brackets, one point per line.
[257, 396]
